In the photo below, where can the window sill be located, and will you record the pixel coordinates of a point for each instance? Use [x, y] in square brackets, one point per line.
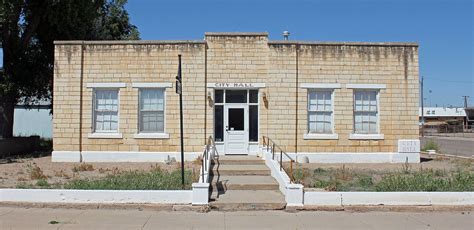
[152, 136]
[356, 136]
[105, 136]
[320, 136]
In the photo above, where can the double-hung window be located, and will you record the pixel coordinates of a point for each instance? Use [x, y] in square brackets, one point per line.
[106, 111]
[151, 110]
[366, 112]
[320, 111]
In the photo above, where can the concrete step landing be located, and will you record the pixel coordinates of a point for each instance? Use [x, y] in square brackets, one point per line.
[234, 170]
[254, 182]
[240, 200]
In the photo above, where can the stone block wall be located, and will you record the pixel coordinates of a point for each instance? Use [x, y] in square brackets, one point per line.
[235, 58]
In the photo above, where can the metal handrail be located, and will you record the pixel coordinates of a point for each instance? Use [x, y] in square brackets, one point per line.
[271, 145]
[209, 152]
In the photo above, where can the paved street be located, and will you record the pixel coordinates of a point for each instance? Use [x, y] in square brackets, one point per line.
[36, 218]
[453, 145]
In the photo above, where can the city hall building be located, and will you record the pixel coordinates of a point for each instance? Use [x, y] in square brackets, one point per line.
[322, 101]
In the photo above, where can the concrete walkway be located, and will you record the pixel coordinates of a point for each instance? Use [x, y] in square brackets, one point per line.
[35, 218]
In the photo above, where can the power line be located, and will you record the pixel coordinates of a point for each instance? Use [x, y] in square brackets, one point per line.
[461, 82]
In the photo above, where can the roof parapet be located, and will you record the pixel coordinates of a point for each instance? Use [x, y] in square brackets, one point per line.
[130, 42]
[246, 34]
[321, 43]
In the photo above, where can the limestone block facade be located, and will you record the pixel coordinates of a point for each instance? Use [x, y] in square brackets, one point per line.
[237, 87]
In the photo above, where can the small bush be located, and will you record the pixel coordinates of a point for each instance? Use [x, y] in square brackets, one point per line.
[135, 180]
[430, 145]
[83, 167]
[35, 172]
[24, 185]
[427, 180]
[365, 181]
[42, 183]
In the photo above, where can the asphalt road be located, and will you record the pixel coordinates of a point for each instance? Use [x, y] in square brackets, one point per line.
[453, 145]
[48, 218]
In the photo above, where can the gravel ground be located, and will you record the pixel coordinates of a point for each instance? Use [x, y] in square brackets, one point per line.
[17, 171]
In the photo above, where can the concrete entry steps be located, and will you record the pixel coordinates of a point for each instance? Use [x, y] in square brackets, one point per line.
[243, 183]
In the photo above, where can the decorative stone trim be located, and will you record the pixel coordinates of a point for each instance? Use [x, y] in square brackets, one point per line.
[320, 85]
[152, 85]
[152, 136]
[366, 86]
[357, 136]
[122, 156]
[321, 136]
[107, 85]
[66, 156]
[105, 136]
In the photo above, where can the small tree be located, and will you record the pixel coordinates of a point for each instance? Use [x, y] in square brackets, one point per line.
[28, 29]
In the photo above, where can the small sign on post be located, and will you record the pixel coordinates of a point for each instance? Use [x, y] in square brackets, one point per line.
[178, 87]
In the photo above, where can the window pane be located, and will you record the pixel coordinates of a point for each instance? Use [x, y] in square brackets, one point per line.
[236, 119]
[151, 99]
[253, 96]
[320, 111]
[320, 122]
[236, 96]
[219, 96]
[152, 121]
[106, 110]
[219, 123]
[151, 111]
[312, 101]
[365, 114]
[253, 123]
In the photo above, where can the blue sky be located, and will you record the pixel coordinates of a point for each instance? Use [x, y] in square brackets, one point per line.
[443, 28]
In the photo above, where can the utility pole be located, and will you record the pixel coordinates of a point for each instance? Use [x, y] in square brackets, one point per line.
[465, 107]
[422, 110]
[465, 101]
[179, 90]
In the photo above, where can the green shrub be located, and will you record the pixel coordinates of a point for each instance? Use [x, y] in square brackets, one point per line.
[430, 145]
[365, 181]
[23, 185]
[427, 181]
[42, 183]
[135, 180]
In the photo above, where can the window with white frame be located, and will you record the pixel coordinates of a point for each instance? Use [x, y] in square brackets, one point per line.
[366, 111]
[320, 111]
[151, 110]
[106, 110]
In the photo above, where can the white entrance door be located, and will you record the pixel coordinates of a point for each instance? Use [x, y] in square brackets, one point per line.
[236, 129]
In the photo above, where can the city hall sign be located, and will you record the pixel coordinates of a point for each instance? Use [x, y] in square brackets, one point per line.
[235, 85]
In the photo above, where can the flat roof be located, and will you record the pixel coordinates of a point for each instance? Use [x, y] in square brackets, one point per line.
[129, 42]
[329, 43]
[233, 34]
[236, 34]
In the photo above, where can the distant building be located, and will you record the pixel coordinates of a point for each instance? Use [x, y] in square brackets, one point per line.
[470, 116]
[34, 120]
[443, 115]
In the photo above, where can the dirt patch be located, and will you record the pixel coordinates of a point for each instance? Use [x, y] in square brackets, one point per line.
[427, 162]
[34, 171]
[434, 173]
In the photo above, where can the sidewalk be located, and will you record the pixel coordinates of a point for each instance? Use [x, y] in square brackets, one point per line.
[35, 218]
